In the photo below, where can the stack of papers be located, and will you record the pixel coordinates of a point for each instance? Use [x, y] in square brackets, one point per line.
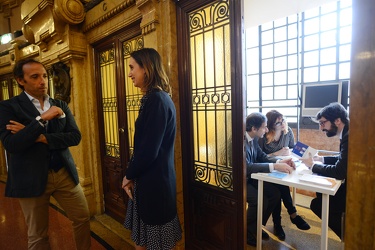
[318, 180]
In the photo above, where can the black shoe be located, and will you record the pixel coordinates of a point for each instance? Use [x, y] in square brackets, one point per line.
[300, 223]
[251, 240]
[279, 231]
[265, 235]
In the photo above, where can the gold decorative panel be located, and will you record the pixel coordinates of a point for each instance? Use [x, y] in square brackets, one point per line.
[133, 94]
[211, 94]
[4, 90]
[109, 99]
[16, 89]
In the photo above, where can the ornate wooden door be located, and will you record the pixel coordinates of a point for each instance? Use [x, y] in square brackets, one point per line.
[213, 109]
[118, 105]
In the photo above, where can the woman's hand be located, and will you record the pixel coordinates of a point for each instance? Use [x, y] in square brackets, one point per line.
[128, 186]
[284, 151]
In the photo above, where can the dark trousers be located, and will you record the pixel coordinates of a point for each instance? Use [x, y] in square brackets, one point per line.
[288, 203]
[336, 209]
[271, 196]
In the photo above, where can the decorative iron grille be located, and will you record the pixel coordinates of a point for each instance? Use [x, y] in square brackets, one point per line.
[211, 94]
[133, 94]
[109, 102]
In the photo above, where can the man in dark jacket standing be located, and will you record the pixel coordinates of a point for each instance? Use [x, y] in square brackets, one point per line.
[37, 131]
[334, 121]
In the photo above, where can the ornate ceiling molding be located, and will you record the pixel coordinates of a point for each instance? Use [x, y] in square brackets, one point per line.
[45, 20]
[7, 5]
[109, 15]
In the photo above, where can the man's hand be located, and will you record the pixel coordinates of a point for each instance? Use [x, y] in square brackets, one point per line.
[283, 167]
[318, 158]
[309, 161]
[41, 139]
[14, 126]
[289, 161]
[52, 112]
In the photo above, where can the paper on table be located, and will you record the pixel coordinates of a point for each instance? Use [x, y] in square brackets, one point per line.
[302, 150]
[277, 174]
[319, 180]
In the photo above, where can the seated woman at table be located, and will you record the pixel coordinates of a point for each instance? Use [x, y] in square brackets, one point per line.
[277, 142]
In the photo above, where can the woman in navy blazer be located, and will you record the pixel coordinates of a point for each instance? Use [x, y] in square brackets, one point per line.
[150, 179]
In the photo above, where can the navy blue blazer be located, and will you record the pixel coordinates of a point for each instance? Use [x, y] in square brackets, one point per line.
[258, 161]
[28, 161]
[152, 163]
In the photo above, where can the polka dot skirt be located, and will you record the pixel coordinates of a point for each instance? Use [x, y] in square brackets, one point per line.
[153, 237]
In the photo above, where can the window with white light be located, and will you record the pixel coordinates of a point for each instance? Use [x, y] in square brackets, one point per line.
[282, 56]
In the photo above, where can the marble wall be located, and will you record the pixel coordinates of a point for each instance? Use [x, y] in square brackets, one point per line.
[360, 216]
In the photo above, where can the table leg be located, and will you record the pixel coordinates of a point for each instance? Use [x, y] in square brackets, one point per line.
[294, 196]
[260, 214]
[325, 209]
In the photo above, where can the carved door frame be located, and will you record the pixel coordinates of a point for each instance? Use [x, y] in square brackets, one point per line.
[115, 156]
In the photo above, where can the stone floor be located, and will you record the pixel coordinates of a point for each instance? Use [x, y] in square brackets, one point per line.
[109, 234]
[105, 232]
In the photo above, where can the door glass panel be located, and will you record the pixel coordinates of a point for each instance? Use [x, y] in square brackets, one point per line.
[4, 90]
[16, 90]
[133, 94]
[211, 94]
[109, 99]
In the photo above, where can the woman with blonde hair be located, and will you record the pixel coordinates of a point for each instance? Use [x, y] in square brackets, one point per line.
[277, 142]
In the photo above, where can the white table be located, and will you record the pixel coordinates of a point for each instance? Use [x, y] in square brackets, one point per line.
[292, 180]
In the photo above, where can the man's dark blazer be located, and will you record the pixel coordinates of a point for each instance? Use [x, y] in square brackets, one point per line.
[336, 166]
[28, 161]
[258, 162]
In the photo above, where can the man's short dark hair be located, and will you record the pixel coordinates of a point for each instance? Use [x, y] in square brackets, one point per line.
[18, 68]
[333, 111]
[255, 120]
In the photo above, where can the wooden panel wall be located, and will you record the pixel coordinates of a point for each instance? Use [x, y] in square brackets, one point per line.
[360, 216]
